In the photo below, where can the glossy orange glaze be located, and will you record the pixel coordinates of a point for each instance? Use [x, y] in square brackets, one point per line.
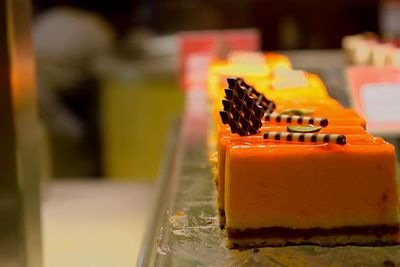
[354, 134]
[302, 185]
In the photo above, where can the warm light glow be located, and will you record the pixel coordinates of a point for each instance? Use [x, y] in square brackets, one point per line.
[271, 73]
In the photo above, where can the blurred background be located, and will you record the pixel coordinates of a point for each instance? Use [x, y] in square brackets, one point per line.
[108, 89]
[114, 59]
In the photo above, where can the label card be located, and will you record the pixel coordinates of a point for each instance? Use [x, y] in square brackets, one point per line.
[375, 93]
[381, 102]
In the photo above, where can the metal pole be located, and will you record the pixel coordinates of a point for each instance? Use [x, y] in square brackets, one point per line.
[19, 140]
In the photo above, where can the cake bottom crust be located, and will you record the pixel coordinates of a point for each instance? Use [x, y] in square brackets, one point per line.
[372, 235]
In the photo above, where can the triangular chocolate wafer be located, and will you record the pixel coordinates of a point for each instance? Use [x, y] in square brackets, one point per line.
[241, 112]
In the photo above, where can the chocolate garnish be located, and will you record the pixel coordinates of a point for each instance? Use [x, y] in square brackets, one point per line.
[296, 119]
[240, 110]
[338, 139]
[267, 105]
[244, 107]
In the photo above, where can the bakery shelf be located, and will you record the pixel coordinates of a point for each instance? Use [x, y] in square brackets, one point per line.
[185, 232]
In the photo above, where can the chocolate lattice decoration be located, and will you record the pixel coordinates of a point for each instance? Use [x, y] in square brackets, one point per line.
[241, 111]
[267, 105]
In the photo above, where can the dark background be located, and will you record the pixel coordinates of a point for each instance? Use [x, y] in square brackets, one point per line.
[317, 24]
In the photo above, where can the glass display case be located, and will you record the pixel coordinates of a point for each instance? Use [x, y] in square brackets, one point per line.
[184, 230]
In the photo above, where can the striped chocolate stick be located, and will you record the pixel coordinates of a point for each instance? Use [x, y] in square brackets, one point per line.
[306, 137]
[270, 108]
[268, 105]
[296, 119]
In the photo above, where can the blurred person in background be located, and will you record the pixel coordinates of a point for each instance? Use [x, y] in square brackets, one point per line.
[67, 42]
[69, 38]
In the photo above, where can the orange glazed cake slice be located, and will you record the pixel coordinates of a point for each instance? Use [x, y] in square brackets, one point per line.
[285, 179]
[353, 134]
[279, 193]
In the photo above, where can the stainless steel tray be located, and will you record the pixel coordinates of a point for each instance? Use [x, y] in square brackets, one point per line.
[185, 232]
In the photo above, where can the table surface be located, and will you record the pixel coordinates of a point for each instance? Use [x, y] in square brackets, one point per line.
[94, 223]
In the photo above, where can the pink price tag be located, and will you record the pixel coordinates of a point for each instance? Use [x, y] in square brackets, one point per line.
[199, 48]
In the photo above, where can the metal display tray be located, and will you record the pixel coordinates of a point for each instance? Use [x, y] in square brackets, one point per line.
[184, 230]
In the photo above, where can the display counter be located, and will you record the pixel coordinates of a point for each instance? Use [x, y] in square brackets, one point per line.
[184, 230]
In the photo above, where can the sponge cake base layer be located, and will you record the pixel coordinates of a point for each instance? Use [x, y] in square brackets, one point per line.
[371, 235]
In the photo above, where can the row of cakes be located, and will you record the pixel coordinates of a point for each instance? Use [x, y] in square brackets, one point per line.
[291, 165]
[369, 49]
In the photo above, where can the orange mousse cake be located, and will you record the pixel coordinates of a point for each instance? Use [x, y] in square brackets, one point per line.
[302, 172]
[325, 194]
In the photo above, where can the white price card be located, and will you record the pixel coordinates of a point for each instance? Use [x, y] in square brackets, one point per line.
[381, 102]
[375, 94]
